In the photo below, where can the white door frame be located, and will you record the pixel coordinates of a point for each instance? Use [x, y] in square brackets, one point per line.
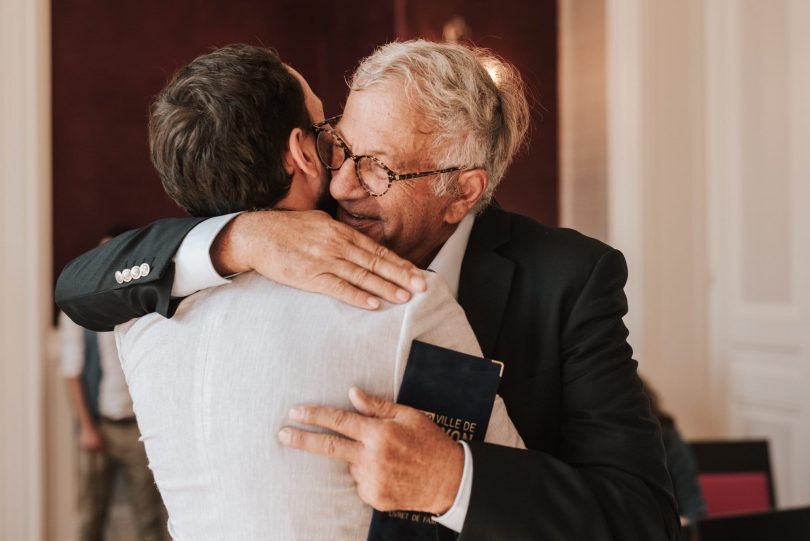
[25, 261]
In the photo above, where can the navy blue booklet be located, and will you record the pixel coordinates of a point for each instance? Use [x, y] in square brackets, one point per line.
[456, 391]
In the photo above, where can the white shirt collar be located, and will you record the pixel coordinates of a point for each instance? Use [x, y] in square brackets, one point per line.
[447, 262]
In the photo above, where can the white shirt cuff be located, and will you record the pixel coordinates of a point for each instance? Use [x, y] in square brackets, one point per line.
[454, 517]
[193, 268]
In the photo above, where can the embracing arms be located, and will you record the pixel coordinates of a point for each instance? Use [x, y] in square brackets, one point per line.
[306, 250]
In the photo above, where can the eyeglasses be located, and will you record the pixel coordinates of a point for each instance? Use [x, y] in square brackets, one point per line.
[373, 175]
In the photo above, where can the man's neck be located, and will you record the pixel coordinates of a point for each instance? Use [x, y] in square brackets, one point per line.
[424, 262]
[447, 262]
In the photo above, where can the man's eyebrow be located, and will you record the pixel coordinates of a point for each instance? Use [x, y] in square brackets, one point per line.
[379, 154]
[375, 153]
[342, 138]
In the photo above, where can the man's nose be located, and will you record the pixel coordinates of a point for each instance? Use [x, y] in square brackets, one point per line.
[345, 186]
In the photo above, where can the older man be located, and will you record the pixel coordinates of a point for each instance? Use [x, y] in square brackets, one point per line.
[423, 142]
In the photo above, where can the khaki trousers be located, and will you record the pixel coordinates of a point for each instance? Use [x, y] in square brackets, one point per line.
[121, 445]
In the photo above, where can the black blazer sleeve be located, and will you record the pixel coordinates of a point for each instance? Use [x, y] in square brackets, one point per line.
[89, 294]
[607, 480]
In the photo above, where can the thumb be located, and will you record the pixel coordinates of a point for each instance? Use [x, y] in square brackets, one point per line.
[372, 406]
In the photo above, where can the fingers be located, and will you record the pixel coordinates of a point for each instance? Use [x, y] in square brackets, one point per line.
[311, 251]
[373, 247]
[330, 445]
[331, 285]
[364, 279]
[369, 254]
[344, 422]
[371, 406]
[375, 271]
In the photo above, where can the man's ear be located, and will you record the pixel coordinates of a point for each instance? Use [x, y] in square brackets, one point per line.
[471, 185]
[301, 154]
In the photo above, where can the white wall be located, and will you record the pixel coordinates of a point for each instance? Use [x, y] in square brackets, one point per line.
[708, 183]
[674, 257]
[583, 116]
[657, 196]
[25, 261]
[758, 129]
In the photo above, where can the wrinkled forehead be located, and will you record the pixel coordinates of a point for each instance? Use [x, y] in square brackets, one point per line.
[381, 121]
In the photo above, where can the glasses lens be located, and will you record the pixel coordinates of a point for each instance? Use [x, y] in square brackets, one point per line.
[329, 150]
[373, 176]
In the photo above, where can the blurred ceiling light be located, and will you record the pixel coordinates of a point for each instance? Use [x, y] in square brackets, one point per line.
[456, 30]
[494, 71]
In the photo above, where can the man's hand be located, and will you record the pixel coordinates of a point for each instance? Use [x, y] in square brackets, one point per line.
[311, 251]
[89, 438]
[399, 459]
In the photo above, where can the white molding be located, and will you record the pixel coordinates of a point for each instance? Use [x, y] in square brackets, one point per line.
[762, 421]
[799, 67]
[625, 187]
[770, 378]
[61, 466]
[721, 70]
[25, 237]
[657, 186]
[760, 352]
[583, 117]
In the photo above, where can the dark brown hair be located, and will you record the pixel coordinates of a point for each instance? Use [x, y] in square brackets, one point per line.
[219, 129]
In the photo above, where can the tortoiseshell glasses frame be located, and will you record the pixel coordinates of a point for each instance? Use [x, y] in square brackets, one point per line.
[391, 176]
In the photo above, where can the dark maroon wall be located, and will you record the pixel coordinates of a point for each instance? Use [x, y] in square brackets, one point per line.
[110, 58]
[523, 32]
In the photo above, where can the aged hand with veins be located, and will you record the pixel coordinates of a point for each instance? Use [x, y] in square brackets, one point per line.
[309, 250]
[399, 459]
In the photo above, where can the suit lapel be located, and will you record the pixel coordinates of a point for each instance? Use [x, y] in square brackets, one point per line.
[486, 277]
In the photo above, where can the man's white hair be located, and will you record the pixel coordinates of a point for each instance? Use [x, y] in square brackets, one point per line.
[474, 102]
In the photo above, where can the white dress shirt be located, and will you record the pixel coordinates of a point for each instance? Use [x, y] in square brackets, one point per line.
[194, 271]
[447, 264]
[113, 396]
[193, 268]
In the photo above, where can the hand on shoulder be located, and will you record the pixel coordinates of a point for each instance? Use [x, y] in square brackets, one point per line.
[311, 251]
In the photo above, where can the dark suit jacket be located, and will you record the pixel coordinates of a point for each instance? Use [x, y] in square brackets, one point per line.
[549, 304]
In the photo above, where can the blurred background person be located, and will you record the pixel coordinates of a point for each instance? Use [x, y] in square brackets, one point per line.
[680, 462]
[107, 432]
